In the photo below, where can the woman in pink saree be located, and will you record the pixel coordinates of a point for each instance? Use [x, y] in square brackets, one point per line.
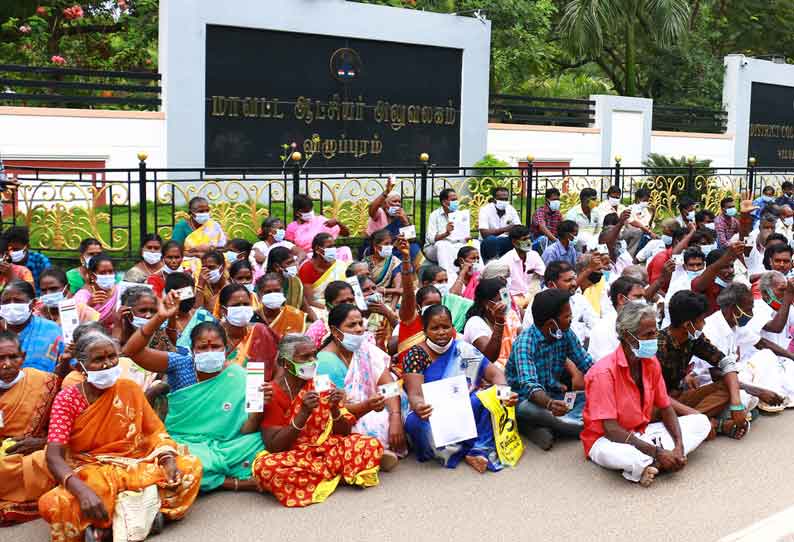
[100, 292]
[307, 225]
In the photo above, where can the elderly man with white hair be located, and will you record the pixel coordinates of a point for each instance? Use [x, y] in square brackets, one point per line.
[622, 391]
[785, 225]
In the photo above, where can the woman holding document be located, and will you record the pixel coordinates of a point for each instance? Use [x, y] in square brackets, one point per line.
[441, 356]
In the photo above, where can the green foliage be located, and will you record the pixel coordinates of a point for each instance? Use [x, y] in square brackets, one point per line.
[658, 164]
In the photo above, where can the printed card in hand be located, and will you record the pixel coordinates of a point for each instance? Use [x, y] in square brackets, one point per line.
[392, 389]
[322, 383]
[358, 294]
[503, 393]
[255, 377]
[409, 232]
[462, 222]
[69, 319]
[570, 399]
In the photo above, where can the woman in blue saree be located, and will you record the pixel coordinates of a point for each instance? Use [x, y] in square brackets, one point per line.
[441, 356]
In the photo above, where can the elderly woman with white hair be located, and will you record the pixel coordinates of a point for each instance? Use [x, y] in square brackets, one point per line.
[307, 434]
[622, 391]
[105, 439]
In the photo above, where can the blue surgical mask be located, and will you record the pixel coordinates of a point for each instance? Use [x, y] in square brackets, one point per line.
[279, 235]
[695, 334]
[329, 254]
[453, 206]
[554, 205]
[731, 211]
[557, 333]
[646, 349]
[209, 362]
[386, 251]
[52, 300]
[667, 240]
[719, 282]
[693, 274]
[768, 199]
[708, 248]
[743, 320]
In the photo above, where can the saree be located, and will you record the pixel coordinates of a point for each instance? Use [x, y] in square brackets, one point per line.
[107, 310]
[310, 471]
[383, 272]
[458, 306]
[460, 359]
[289, 320]
[409, 335]
[207, 417]
[41, 342]
[360, 382]
[25, 478]
[335, 272]
[113, 447]
[210, 233]
[201, 315]
[474, 280]
[259, 344]
[293, 291]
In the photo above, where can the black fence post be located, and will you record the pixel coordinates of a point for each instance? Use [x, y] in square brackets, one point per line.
[424, 158]
[296, 173]
[690, 178]
[751, 177]
[142, 203]
[618, 182]
[528, 187]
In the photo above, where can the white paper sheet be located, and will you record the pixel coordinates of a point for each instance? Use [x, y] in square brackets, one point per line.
[452, 419]
[462, 222]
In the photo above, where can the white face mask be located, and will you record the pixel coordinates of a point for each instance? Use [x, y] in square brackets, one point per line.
[8, 385]
[386, 251]
[239, 316]
[103, 379]
[167, 270]
[152, 258]
[305, 371]
[15, 313]
[209, 362]
[279, 235]
[291, 271]
[230, 256]
[788, 221]
[394, 210]
[18, 255]
[614, 202]
[106, 282]
[273, 300]
[351, 342]
[443, 288]
[438, 349]
[215, 275]
[201, 218]
[329, 254]
[306, 217]
[51, 300]
[500, 205]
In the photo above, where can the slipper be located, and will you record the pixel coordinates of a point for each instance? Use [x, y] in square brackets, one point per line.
[769, 409]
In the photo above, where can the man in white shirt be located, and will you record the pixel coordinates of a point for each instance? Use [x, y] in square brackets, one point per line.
[525, 265]
[604, 337]
[442, 242]
[584, 215]
[495, 220]
[608, 207]
[640, 222]
[785, 225]
[686, 212]
[655, 246]
[732, 330]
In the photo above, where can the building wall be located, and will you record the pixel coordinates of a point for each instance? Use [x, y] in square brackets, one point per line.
[715, 147]
[580, 147]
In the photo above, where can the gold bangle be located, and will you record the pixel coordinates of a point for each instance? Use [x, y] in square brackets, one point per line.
[66, 479]
[292, 423]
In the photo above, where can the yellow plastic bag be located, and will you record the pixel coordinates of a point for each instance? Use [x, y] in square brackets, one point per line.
[505, 430]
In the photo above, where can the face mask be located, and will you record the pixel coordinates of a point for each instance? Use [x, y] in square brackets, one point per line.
[8, 385]
[304, 371]
[438, 349]
[106, 282]
[773, 300]
[595, 277]
[557, 333]
[710, 226]
[695, 334]
[500, 205]
[291, 271]
[103, 379]
[152, 258]
[215, 275]
[743, 319]
[667, 240]
[788, 221]
[201, 218]
[279, 235]
[273, 300]
[394, 210]
[647, 348]
[351, 342]
[768, 199]
[138, 321]
[719, 282]
[641, 301]
[731, 211]
[386, 251]
[453, 206]
[443, 289]
[167, 270]
[329, 254]
[209, 362]
[17, 255]
[607, 275]
[52, 300]
[15, 313]
[230, 256]
[87, 261]
[693, 274]
[250, 286]
[690, 216]
[554, 205]
[239, 316]
[524, 246]
[306, 217]
[708, 248]
[374, 298]
[614, 202]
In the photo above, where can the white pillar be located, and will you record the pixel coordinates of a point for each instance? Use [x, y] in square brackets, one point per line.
[625, 125]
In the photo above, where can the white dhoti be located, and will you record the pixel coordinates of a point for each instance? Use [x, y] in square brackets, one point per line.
[625, 457]
[766, 370]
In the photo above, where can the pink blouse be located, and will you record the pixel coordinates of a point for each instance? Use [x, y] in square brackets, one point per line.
[302, 234]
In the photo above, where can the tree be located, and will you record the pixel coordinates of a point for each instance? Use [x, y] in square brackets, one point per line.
[595, 30]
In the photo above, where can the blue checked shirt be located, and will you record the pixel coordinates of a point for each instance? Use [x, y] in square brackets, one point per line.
[555, 252]
[537, 363]
[36, 262]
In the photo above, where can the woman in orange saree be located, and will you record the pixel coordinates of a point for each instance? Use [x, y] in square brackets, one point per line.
[307, 435]
[104, 439]
[25, 399]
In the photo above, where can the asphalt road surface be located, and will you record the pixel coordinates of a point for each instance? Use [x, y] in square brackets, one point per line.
[727, 487]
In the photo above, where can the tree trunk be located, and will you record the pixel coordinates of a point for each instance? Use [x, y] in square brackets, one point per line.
[631, 60]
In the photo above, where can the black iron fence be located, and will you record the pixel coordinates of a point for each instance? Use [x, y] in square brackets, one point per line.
[79, 88]
[689, 119]
[512, 109]
[119, 206]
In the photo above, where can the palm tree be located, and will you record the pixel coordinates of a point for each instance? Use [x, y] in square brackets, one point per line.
[586, 26]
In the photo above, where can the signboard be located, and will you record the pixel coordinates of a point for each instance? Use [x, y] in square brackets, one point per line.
[771, 138]
[340, 101]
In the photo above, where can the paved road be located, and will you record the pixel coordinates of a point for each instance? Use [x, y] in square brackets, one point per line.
[555, 495]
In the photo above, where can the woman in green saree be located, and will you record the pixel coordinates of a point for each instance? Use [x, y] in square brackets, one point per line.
[384, 266]
[282, 261]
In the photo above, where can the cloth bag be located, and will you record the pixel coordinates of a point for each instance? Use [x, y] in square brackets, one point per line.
[134, 514]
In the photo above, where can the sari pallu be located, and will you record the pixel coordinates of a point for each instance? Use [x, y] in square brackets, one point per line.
[460, 359]
[293, 291]
[311, 470]
[210, 233]
[383, 273]
[207, 417]
[260, 344]
[289, 320]
[25, 478]
[335, 272]
[114, 447]
[107, 310]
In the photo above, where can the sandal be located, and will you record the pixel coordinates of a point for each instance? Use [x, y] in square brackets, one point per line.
[735, 432]
[158, 524]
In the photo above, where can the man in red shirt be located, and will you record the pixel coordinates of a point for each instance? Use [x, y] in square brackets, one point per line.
[622, 390]
[681, 238]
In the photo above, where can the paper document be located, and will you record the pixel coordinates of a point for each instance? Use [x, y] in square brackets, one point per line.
[452, 419]
[409, 232]
[462, 222]
[69, 319]
[354, 283]
[255, 377]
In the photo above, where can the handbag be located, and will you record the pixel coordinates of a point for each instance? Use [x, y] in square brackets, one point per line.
[134, 514]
